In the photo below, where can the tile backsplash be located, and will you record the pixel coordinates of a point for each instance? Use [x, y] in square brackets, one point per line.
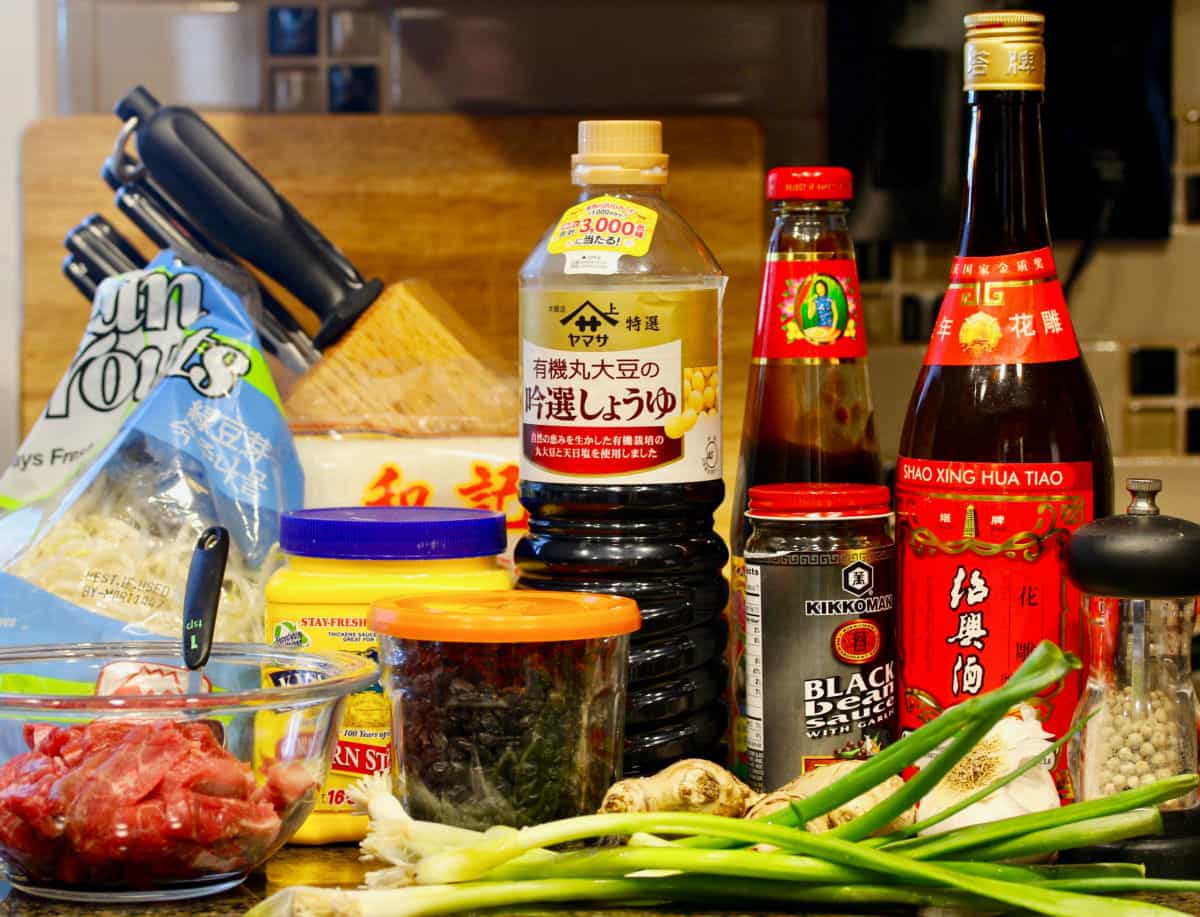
[439, 55]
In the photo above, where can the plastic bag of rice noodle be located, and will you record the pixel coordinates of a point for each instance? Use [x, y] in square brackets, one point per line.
[166, 422]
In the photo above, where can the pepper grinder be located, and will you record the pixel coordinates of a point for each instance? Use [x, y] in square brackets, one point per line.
[1139, 575]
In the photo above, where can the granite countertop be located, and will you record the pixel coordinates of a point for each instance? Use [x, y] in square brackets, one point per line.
[337, 865]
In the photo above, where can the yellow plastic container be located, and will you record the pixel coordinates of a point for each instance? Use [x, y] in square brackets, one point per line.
[340, 561]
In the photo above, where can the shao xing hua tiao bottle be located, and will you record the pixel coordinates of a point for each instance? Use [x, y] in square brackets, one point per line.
[1004, 452]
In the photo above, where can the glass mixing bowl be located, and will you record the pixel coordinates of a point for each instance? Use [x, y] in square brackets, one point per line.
[112, 790]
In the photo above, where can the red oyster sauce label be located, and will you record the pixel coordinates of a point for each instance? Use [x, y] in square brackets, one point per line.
[982, 582]
[810, 309]
[1005, 309]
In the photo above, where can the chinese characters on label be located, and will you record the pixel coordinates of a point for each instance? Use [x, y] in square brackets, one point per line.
[968, 670]
[1007, 309]
[490, 486]
[237, 453]
[981, 554]
[620, 383]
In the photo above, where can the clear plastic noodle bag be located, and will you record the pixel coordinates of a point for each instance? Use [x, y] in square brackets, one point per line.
[203, 443]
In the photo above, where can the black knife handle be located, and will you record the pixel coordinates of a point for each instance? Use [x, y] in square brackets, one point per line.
[98, 244]
[149, 211]
[81, 276]
[203, 595]
[225, 198]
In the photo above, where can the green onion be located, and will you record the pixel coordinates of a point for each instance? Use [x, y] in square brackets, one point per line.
[466, 864]
[622, 861]
[702, 890]
[1088, 871]
[955, 842]
[1104, 830]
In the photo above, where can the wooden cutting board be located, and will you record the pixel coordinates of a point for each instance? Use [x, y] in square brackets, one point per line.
[458, 200]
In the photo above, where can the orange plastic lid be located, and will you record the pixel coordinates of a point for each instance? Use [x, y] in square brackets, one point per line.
[518, 616]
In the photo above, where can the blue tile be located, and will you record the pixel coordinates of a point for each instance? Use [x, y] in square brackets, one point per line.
[292, 30]
[353, 89]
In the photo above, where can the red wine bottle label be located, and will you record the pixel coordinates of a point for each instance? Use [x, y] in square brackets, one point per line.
[981, 581]
[1004, 309]
[810, 309]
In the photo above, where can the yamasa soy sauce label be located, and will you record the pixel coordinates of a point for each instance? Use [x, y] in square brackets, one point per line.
[982, 580]
[810, 309]
[1006, 309]
[621, 387]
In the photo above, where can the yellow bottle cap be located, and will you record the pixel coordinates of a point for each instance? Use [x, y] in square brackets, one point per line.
[619, 153]
[1004, 51]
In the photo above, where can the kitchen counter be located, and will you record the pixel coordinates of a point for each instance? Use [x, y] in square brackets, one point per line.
[334, 866]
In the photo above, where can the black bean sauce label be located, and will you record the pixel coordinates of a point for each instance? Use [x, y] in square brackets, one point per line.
[820, 659]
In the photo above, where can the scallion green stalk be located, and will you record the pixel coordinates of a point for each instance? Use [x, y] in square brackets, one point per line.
[1106, 829]
[617, 862]
[467, 864]
[709, 891]
[953, 843]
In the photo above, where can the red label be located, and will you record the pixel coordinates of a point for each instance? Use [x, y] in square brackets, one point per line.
[1006, 309]
[810, 309]
[143, 678]
[857, 642]
[599, 451]
[981, 580]
[357, 758]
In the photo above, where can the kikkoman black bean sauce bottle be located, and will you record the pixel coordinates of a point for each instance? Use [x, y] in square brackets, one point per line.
[819, 666]
[621, 430]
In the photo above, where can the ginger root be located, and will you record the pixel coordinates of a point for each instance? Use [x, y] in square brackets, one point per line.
[690, 785]
[695, 785]
[807, 784]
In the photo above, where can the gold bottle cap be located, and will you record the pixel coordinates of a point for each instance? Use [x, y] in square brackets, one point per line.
[619, 153]
[1004, 51]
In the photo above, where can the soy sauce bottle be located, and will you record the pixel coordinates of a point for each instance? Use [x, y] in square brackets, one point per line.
[621, 418]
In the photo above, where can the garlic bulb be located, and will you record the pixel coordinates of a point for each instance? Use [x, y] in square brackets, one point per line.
[1009, 744]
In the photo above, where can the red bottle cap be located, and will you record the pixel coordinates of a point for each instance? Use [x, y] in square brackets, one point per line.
[810, 183]
[820, 500]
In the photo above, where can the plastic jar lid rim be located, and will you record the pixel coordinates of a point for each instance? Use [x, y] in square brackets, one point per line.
[508, 616]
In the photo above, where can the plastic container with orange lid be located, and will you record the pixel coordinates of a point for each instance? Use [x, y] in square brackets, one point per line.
[508, 707]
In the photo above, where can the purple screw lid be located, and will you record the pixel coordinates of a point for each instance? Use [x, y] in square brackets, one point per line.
[393, 532]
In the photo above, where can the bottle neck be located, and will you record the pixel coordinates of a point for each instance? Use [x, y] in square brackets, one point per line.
[587, 192]
[1004, 207]
[819, 227]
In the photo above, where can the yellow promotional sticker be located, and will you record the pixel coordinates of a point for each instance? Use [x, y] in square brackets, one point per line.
[605, 224]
